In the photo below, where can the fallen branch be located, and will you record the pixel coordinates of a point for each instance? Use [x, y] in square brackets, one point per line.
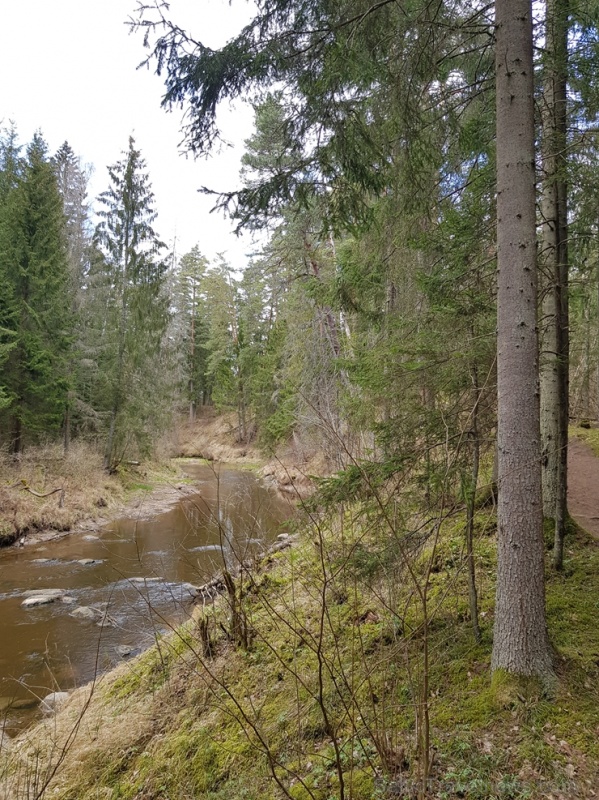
[27, 488]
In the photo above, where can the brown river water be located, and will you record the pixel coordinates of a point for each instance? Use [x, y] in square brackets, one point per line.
[46, 649]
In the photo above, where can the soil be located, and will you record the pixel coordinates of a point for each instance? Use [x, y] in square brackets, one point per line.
[583, 486]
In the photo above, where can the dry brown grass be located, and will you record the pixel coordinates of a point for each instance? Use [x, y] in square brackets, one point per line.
[87, 489]
[63, 741]
[214, 437]
[89, 492]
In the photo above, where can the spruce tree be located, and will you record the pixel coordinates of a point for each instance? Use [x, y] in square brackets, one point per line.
[374, 97]
[34, 270]
[190, 315]
[520, 642]
[131, 307]
[10, 170]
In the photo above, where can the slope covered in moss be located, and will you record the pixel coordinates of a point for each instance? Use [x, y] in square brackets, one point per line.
[330, 697]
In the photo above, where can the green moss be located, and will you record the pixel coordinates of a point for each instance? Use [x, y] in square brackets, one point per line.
[145, 673]
[588, 435]
[508, 689]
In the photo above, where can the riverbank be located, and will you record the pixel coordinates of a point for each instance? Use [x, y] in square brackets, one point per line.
[321, 701]
[45, 493]
[70, 608]
[214, 437]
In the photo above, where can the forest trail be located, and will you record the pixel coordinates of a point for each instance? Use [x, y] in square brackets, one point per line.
[583, 486]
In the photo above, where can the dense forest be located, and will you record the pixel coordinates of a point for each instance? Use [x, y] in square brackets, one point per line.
[423, 311]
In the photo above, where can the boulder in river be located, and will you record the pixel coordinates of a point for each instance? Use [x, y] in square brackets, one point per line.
[68, 601]
[190, 589]
[53, 701]
[83, 612]
[125, 651]
[207, 548]
[5, 702]
[87, 562]
[38, 600]
[145, 580]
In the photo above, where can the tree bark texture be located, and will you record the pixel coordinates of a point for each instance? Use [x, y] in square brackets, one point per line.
[520, 644]
[560, 33]
[554, 336]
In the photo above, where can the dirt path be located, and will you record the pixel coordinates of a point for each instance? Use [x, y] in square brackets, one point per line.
[583, 486]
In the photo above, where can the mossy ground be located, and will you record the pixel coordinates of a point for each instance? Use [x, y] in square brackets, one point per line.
[588, 435]
[327, 694]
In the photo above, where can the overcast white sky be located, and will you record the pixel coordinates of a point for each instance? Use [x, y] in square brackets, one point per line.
[69, 68]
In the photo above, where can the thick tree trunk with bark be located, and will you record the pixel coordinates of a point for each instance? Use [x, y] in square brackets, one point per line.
[520, 644]
[192, 345]
[67, 424]
[554, 339]
[563, 324]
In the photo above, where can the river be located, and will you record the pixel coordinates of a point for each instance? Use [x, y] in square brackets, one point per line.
[133, 577]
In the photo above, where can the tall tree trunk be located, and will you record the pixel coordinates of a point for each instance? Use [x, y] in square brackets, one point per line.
[470, 507]
[555, 345]
[563, 326]
[17, 435]
[241, 409]
[118, 388]
[584, 407]
[108, 465]
[588, 336]
[520, 644]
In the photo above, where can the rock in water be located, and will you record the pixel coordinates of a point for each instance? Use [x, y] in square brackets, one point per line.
[38, 600]
[83, 612]
[53, 701]
[190, 588]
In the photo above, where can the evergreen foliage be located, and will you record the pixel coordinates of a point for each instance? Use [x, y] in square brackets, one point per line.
[191, 321]
[34, 273]
[130, 308]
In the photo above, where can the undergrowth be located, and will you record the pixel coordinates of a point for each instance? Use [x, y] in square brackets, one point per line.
[326, 700]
